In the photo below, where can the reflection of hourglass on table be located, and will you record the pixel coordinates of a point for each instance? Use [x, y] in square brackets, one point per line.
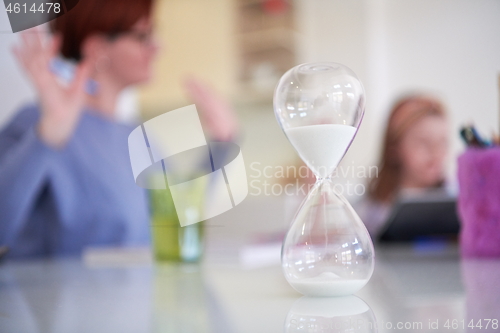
[340, 314]
[327, 251]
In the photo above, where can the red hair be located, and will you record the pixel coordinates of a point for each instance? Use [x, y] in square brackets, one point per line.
[89, 17]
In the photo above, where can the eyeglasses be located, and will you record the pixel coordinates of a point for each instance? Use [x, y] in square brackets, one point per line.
[143, 37]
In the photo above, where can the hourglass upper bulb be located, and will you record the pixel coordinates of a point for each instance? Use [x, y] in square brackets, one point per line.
[319, 106]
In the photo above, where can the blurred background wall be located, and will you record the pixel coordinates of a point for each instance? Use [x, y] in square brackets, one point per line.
[446, 47]
[449, 48]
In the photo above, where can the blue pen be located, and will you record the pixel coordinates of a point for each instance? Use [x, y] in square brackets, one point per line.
[472, 138]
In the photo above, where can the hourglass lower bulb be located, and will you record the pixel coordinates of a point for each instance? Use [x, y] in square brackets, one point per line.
[327, 251]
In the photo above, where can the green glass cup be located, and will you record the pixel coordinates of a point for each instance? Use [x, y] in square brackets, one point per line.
[171, 241]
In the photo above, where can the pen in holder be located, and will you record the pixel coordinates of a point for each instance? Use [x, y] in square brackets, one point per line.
[478, 203]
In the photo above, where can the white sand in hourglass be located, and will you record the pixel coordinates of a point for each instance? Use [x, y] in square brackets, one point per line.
[328, 284]
[321, 147]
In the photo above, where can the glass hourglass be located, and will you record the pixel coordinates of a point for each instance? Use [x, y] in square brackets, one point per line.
[327, 250]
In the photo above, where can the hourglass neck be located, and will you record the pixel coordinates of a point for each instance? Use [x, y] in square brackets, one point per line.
[323, 179]
[325, 184]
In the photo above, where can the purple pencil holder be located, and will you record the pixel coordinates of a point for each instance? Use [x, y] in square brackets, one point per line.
[479, 202]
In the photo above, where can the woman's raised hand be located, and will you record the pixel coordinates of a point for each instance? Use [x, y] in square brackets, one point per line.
[61, 104]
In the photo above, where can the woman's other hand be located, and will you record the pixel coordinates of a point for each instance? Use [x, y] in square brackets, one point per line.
[61, 104]
[216, 113]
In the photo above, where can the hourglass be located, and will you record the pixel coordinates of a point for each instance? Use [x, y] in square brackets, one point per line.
[327, 251]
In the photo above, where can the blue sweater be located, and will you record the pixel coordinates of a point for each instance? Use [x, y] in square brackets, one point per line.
[57, 202]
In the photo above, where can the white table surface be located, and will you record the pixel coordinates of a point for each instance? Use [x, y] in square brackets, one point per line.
[412, 286]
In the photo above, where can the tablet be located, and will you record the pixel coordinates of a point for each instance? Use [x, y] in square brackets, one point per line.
[422, 217]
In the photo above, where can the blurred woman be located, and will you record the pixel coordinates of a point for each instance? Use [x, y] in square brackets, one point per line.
[65, 176]
[413, 157]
